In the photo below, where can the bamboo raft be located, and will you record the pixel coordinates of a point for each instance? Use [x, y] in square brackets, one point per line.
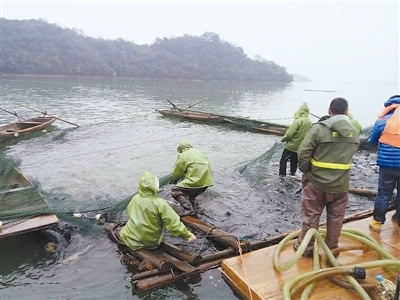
[254, 272]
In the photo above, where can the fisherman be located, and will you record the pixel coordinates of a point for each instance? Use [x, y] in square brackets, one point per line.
[193, 168]
[293, 138]
[148, 216]
[386, 133]
[325, 158]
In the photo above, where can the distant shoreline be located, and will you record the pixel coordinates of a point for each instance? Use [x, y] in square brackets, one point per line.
[118, 77]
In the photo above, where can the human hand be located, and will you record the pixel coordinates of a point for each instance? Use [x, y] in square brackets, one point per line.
[192, 239]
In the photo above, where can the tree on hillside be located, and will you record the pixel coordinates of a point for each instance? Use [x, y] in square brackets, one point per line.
[37, 47]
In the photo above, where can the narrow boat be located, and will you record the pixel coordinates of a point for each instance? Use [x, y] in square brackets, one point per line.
[23, 207]
[257, 125]
[191, 115]
[26, 126]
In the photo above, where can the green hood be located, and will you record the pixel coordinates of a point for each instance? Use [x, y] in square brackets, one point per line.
[303, 111]
[183, 146]
[149, 184]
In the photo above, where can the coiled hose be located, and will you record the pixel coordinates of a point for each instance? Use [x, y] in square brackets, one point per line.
[308, 280]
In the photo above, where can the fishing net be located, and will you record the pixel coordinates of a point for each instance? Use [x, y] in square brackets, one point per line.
[21, 198]
[260, 169]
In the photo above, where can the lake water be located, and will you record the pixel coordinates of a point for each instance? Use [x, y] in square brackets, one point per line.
[121, 136]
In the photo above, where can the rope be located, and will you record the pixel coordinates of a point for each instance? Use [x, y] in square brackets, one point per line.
[244, 268]
[173, 275]
[205, 238]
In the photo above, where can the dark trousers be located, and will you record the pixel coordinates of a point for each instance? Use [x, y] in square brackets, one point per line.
[314, 202]
[292, 157]
[190, 193]
[388, 180]
[186, 196]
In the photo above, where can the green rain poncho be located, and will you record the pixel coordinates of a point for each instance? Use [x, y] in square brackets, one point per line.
[193, 165]
[298, 130]
[148, 216]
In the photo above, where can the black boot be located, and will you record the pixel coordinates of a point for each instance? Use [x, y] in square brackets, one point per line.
[187, 205]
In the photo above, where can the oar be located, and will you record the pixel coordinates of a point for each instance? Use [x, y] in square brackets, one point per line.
[13, 113]
[190, 106]
[174, 105]
[45, 113]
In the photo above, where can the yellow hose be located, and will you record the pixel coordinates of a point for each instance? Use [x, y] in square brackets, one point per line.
[309, 279]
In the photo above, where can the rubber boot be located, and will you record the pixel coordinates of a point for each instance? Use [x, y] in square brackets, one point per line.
[187, 206]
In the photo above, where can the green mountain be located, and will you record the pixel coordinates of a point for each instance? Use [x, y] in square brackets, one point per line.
[36, 47]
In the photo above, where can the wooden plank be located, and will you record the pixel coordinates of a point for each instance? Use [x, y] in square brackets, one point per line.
[27, 225]
[255, 272]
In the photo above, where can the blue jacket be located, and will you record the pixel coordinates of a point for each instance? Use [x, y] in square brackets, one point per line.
[388, 156]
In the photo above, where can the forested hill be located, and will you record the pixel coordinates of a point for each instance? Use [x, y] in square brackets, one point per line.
[39, 48]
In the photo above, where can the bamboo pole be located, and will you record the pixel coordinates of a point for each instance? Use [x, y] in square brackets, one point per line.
[363, 192]
[154, 257]
[314, 115]
[174, 105]
[34, 109]
[190, 106]
[14, 114]
[182, 254]
[145, 284]
[149, 273]
[216, 234]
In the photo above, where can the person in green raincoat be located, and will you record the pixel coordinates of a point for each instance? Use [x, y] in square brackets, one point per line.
[293, 138]
[148, 216]
[194, 172]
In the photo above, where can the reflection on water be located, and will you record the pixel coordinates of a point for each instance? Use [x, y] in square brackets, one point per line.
[120, 136]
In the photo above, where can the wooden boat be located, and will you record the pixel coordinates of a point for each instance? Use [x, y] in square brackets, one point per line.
[191, 115]
[261, 126]
[254, 275]
[23, 207]
[26, 126]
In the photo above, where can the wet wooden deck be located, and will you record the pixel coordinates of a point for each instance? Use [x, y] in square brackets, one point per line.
[255, 271]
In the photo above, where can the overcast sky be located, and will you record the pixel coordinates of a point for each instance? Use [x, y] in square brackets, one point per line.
[323, 40]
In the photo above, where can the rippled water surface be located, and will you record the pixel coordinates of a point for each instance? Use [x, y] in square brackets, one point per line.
[120, 136]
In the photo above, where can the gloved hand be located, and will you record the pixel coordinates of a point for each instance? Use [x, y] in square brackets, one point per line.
[192, 239]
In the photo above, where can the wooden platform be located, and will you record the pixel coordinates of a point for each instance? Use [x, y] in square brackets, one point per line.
[255, 272]
[27, 225]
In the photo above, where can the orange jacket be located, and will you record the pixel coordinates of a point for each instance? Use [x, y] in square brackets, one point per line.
[391, 132]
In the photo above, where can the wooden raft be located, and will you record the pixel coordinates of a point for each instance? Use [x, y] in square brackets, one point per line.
[255, 272]
[169, 263]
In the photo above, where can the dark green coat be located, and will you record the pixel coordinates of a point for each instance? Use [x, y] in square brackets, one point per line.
[327, 151]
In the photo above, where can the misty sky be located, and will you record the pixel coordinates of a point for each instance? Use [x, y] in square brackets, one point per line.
[323, 40]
